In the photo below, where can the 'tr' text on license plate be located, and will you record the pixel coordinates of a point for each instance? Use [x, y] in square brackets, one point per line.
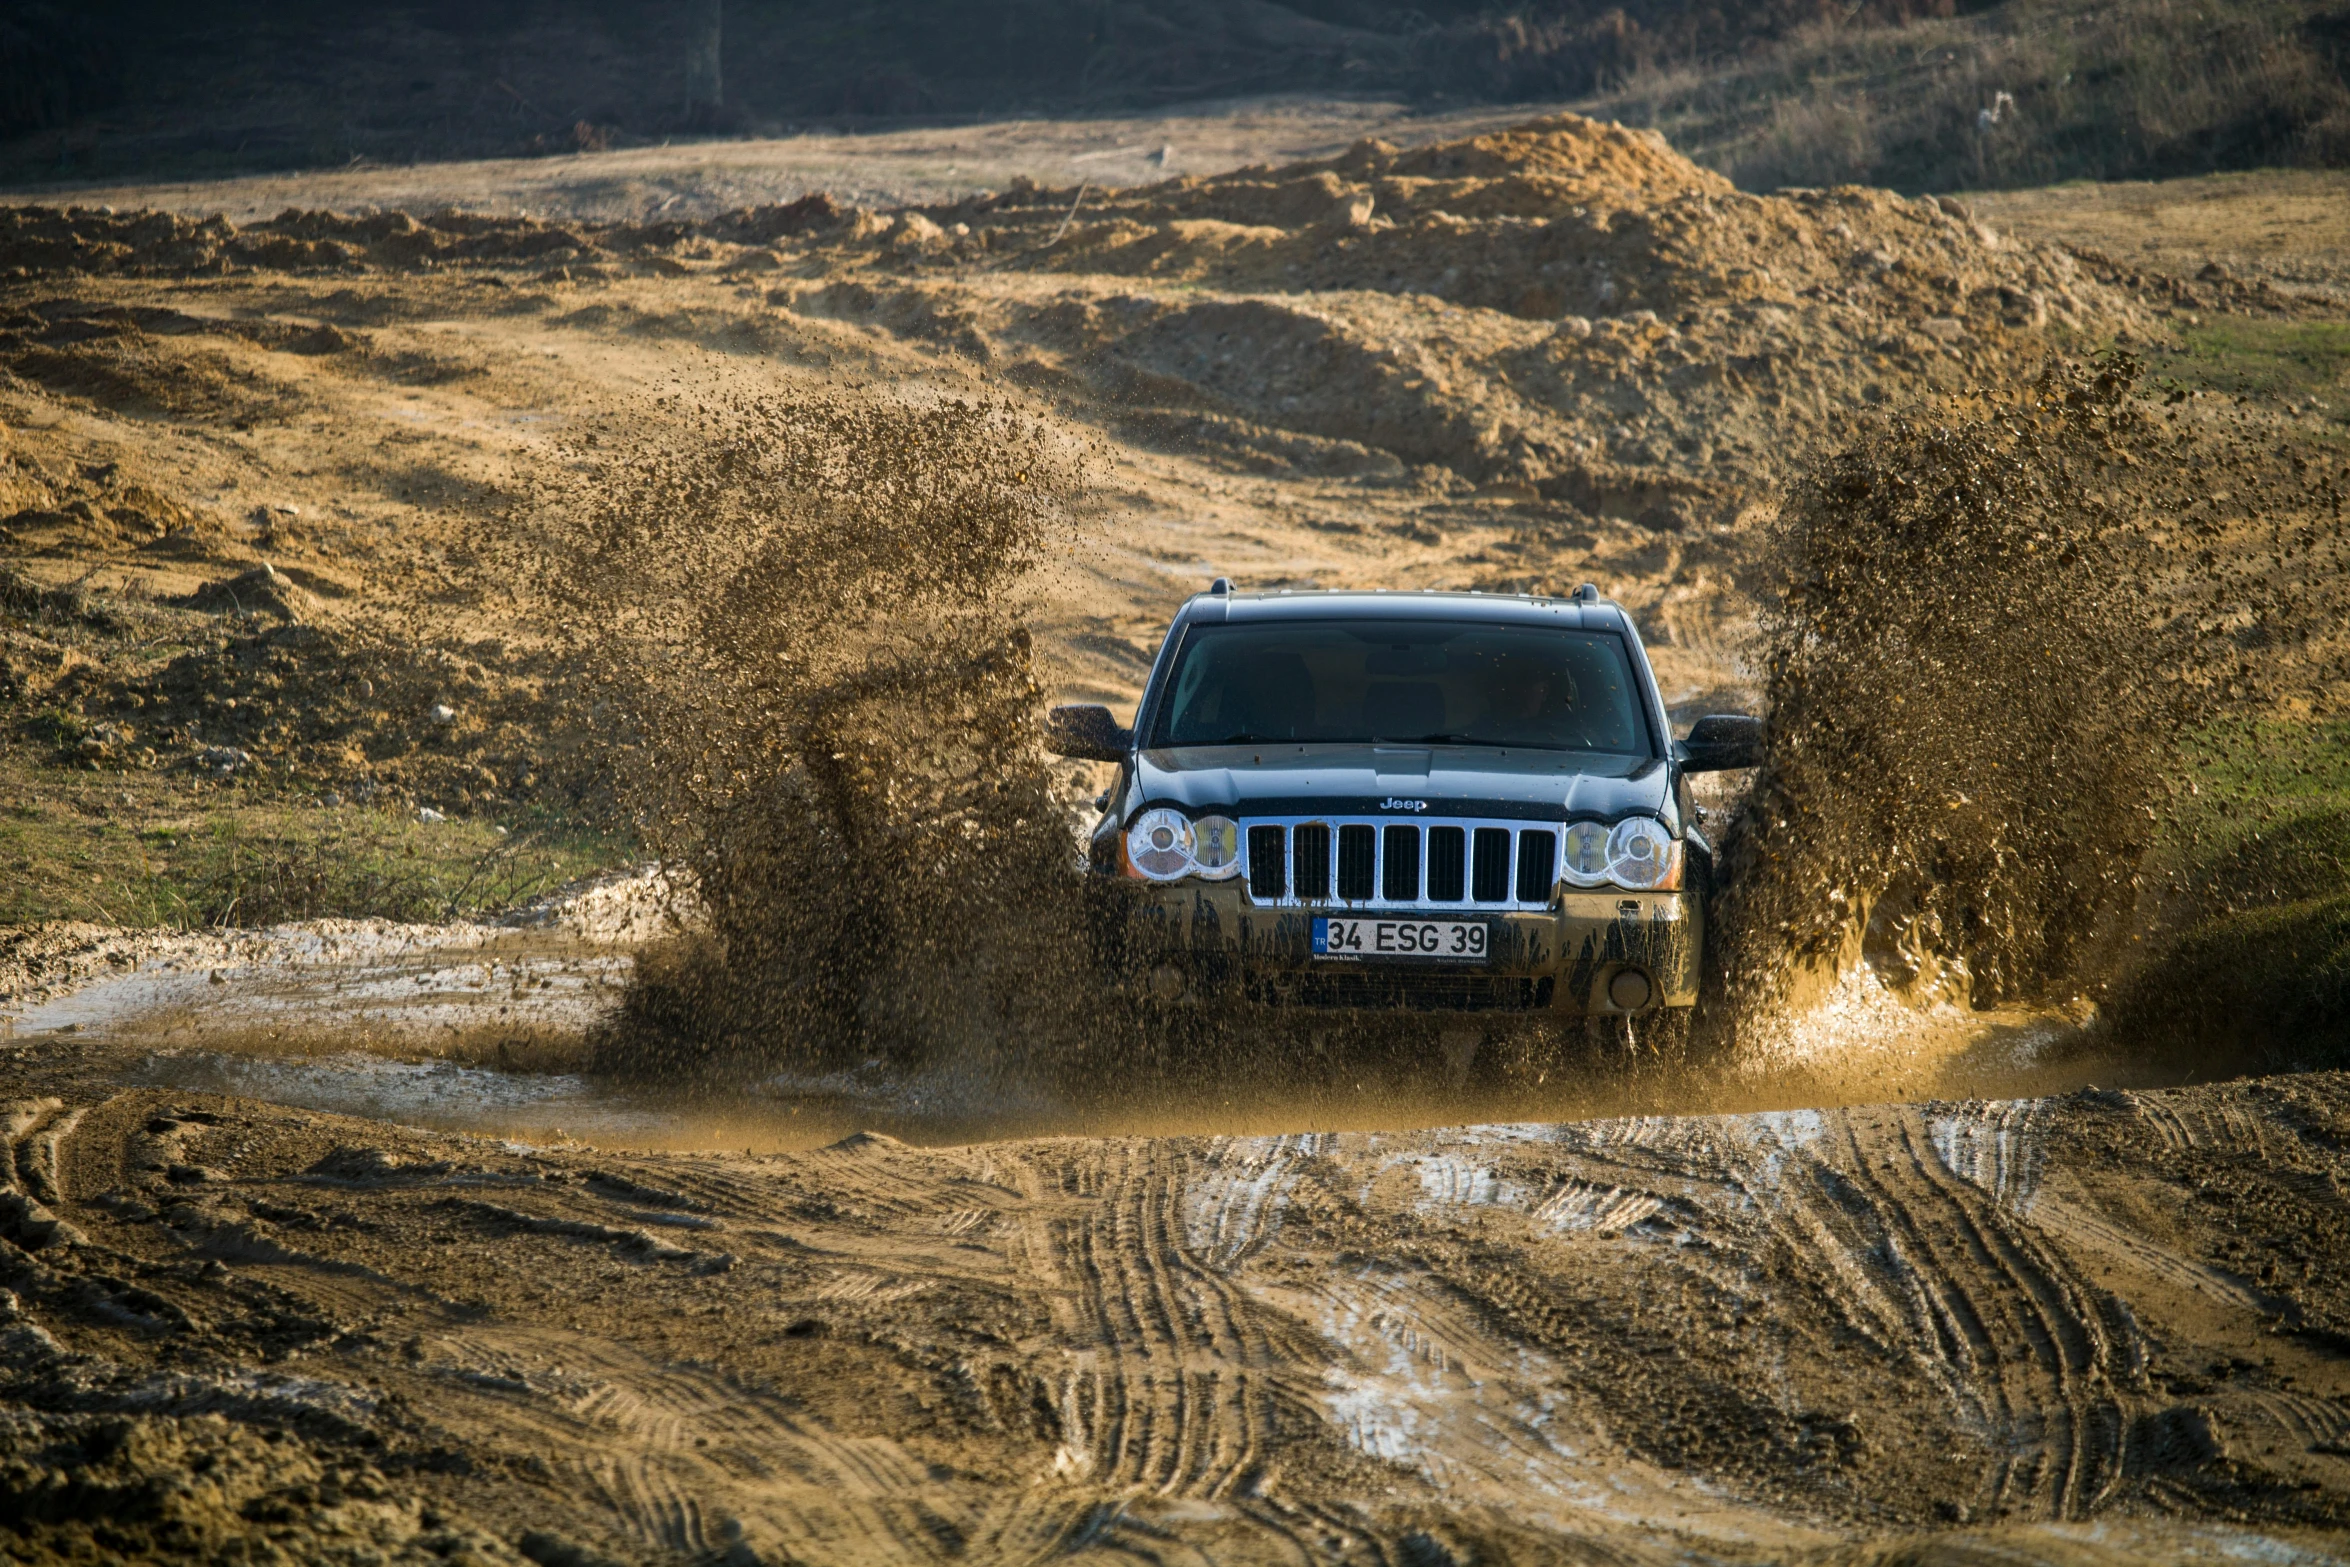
[1460, 941]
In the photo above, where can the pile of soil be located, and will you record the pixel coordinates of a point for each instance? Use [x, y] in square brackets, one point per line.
[1567, 309]
[235, 681]
[1568, 306]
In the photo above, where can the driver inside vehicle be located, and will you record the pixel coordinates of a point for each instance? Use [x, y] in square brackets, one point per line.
[1532, 695]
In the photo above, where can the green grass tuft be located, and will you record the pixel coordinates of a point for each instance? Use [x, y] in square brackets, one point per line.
[140, 851]
[2261, 990]
[2254, 357]
[2248, 966]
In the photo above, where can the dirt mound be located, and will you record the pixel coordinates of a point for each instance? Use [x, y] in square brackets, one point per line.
[37, 241]
[262, 591]
[1567, 307]
[151, 360]
[1556, 216]
[1540, 171]
[1577, 160]
[262, 679]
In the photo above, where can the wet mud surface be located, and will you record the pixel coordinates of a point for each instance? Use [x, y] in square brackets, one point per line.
[508, 1033]
[255, 1297]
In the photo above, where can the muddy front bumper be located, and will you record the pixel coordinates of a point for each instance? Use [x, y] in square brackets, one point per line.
[1206, 942]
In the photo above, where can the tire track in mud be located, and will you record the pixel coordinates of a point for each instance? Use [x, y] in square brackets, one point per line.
[1172, 1395]
[2034, 1330]
[1419, 1377]
[688, 1458]
[707, 1459]
[1910, 1229]
[1239, 1190]
[32, 1184]
[872, 1222]
[685, 1458]
[1927, 1211]
[1233, 1348]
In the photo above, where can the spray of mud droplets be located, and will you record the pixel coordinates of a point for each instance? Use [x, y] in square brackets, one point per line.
[801, 620]
[1994, 629]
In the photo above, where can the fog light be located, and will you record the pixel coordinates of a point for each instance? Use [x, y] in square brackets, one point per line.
[1629, 990]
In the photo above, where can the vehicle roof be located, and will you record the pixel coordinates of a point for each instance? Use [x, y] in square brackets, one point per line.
[1275, 604]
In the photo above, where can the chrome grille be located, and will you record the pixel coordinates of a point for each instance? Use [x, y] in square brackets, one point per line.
[1386, 864]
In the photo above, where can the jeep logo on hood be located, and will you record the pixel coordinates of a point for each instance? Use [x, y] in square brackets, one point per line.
[1403, 805]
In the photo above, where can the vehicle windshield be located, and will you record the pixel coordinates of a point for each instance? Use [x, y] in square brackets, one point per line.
[1403, 681]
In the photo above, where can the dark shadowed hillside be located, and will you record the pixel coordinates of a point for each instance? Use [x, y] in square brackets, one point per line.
[1770, 92]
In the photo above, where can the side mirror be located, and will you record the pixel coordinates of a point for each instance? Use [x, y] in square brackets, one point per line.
[1719, 742]
[1087, 732]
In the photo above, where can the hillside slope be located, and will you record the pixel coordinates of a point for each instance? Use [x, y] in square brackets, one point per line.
[1918, 96]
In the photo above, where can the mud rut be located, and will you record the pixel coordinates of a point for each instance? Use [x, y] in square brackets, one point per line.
[1624, 1339]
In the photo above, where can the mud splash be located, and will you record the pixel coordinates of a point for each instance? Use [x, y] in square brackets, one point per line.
[1997, 626]
[801, 620]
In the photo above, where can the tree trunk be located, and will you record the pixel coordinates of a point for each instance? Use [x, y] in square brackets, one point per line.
[704, 92]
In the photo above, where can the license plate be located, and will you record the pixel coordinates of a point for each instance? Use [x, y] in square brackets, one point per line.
[1455, 941]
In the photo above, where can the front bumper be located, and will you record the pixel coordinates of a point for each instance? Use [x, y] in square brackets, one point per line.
[1205, 941]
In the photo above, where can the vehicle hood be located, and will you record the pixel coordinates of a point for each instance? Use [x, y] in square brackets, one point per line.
[1365, 780]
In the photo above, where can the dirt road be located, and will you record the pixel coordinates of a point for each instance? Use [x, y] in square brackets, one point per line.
[576, 1324]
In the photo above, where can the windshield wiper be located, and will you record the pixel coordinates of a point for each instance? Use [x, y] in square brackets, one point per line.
[1431, 740]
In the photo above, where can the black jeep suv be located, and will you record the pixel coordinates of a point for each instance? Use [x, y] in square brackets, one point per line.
[1447, 800]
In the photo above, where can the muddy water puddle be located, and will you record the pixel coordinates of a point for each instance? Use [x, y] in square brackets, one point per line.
[487, 1033]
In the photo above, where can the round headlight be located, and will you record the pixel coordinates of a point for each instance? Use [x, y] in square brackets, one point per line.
[1585, 864]
[1215, 847]
[1641, 855]
[1159, 844]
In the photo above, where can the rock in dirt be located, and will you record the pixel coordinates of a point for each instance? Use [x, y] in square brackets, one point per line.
[262, 591]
